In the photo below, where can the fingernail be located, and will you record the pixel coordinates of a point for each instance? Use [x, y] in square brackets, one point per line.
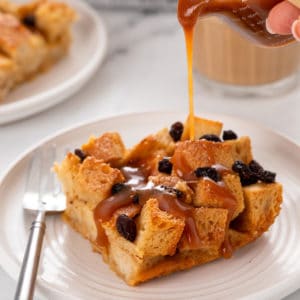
[269, 28]
[296, 30]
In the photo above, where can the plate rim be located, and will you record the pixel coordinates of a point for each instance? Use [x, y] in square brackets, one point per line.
[9, 111]
[285, 288]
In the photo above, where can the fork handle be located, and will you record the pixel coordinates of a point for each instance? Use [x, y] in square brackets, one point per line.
[27, 277]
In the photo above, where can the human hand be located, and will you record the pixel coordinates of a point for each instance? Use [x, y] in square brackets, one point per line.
[284, 18]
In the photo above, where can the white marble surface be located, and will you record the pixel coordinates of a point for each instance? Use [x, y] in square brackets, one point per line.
[144, 70]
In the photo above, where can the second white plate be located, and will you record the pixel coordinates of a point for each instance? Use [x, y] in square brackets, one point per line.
[67, 76]
[266, 269]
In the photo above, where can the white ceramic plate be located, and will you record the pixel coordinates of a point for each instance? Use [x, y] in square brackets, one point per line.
[267, 269]
[67, 76]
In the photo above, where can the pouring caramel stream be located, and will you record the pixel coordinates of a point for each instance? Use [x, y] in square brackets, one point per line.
[248, 15]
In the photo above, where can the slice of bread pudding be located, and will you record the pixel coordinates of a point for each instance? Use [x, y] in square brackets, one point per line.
[32, 38]
[169, 203]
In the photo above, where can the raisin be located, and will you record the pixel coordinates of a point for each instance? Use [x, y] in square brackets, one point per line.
[229, 135]
[210, 137]
[238, 166]
[117, 188]
[176, 131]
[246, 175]
[263, 175]
[165, 166]
[126, 227]
[267, 176]
[179, 194]
[255, 167]
[29, 20]
[248, 179]
[81, 154]
[212, 173]
[135, 199]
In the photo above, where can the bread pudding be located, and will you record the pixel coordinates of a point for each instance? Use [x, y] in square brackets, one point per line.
[168, 203]
[33, 37]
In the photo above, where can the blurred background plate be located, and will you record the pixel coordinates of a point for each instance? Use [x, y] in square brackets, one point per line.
[67, 76]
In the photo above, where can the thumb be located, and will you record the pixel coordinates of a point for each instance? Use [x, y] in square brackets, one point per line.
[281, 18]
[296, 30]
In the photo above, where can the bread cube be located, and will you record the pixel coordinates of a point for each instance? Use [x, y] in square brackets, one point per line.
[160, 143]
[262, 205]
[190, 155]
[81, 218]
[91, 181]
[158, 231]
[202, 127]
[220, 195]
[241, 149]
[211, 227]
[109, 147]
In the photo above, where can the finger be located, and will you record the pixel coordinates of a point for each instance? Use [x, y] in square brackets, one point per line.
[281, 18]
[296, 30]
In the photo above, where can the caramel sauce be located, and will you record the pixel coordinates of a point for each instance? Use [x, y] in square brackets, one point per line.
[217, 190]
[180, 209]
[189, 36]
[222, 170]
[221, 192]
[136, 184]
[105, 209]
[248, 15]
[181, 167]
[101, 239]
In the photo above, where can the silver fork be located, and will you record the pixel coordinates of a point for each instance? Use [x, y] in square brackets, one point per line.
[42, 195]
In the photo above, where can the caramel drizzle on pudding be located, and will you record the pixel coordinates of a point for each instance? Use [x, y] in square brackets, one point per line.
[218, 189]
[136, 185]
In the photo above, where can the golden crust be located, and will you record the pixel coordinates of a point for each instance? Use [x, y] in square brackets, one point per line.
[190, 155]
[202, 127]
[158, 231]
[109, 147]
[90, 181]
[159, 144]
[241, 149]
[211, 227]
[262, 206]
